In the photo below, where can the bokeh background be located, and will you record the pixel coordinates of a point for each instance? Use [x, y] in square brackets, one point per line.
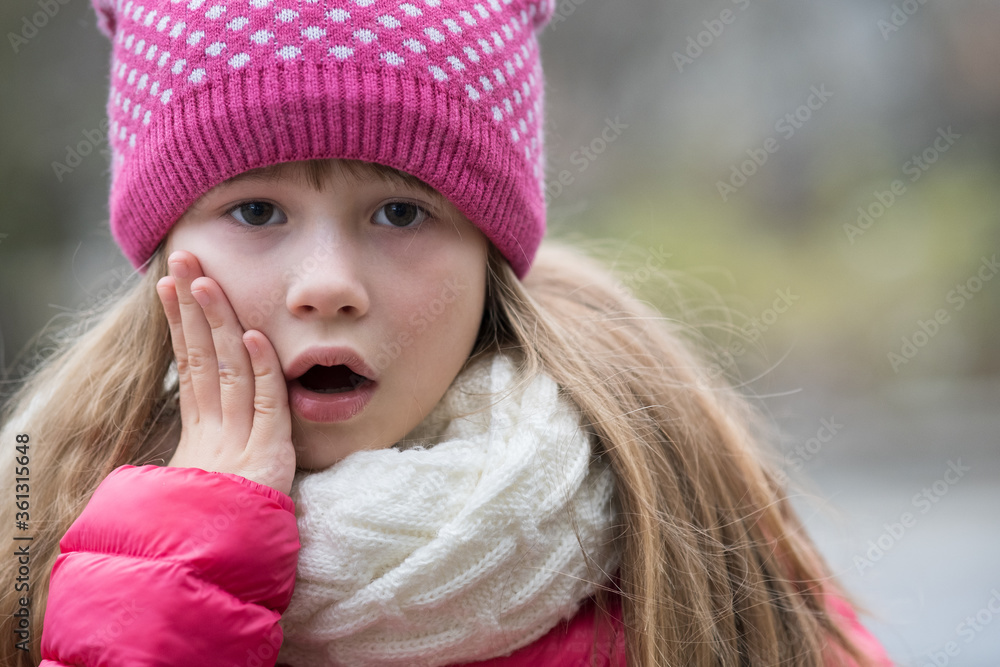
[829, 171]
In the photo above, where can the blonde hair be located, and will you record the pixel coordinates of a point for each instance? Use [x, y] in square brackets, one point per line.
[715, 567]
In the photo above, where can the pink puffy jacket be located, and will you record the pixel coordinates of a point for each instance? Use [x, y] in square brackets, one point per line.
[178, 566]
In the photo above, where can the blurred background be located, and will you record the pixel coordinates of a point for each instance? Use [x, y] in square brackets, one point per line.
[829, 171]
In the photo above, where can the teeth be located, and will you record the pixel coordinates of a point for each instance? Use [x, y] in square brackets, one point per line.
[341, 390]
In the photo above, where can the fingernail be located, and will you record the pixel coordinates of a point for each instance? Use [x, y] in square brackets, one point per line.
[179, 269]
[201, 297]
[251, 346]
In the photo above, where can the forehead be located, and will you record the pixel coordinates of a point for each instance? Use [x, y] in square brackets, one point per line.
[314, 172]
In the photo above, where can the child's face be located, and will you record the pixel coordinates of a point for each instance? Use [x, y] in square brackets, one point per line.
[357, 264]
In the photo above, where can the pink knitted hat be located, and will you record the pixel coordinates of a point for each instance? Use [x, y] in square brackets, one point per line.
[450, 91]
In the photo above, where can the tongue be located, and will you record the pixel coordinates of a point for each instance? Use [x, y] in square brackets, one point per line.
[331, 379]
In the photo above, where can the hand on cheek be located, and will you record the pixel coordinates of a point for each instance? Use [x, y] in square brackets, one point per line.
[233, 398]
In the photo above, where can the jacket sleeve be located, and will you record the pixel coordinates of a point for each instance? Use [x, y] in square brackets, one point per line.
[172, 566]
[861, 637]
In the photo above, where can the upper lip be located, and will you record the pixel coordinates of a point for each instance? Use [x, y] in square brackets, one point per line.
[329, 356]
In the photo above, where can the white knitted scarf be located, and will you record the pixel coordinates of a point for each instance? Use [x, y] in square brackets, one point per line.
[461, 542]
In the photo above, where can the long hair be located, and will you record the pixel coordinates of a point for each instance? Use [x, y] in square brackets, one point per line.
[715, 567]
[96, 402]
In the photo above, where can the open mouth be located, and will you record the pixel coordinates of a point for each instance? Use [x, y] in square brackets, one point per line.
[331, 379]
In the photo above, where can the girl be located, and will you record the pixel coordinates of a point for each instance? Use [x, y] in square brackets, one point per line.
[337, 421]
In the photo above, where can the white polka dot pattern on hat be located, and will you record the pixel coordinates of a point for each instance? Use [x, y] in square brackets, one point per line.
[451, 92]
[167, 47]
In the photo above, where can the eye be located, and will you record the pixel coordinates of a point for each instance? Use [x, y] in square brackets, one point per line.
[401, 214]
[253, 213]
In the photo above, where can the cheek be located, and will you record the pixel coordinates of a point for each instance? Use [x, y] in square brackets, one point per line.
[253, 295]
[242, 285]
[438, 319]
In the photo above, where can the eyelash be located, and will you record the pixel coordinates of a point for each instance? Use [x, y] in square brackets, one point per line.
[247, 227]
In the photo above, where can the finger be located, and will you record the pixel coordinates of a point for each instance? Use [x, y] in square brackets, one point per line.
[270, 455]
[202, 363]
[166, 290]
[272, 421]
[236, 378]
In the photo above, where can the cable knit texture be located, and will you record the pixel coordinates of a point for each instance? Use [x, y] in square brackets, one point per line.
[461, 544]
[451, 92]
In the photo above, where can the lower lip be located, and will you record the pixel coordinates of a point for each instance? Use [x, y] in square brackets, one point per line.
[316, 407]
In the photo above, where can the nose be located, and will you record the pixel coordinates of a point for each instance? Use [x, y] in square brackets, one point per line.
[326, 280]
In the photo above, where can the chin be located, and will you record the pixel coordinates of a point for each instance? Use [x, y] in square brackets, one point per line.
[312, 462]
[320, 456]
